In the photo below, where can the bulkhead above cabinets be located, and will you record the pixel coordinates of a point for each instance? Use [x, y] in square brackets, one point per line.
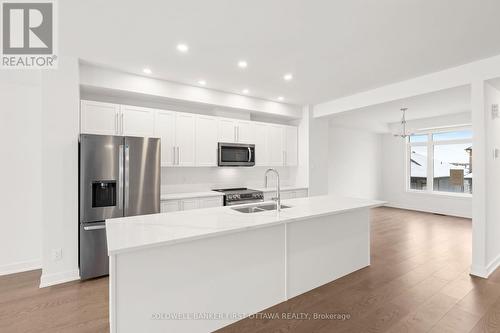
[188, 139]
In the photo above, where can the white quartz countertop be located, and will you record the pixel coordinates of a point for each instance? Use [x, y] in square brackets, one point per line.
[144, 231]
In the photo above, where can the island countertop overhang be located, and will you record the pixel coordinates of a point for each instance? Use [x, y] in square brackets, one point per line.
[138, 232]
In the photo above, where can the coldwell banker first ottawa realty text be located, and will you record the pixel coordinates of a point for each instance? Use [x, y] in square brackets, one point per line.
[28, 35]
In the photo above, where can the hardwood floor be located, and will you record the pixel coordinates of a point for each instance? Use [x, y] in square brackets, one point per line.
[418, 282]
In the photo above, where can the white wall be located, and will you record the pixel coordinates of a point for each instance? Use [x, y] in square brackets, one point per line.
[60, 128]
[20, 151]
[318, 155]
[492, 96]
[394, 185]
[354, 164]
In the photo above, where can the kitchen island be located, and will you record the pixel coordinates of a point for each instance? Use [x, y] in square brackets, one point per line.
[200, 270]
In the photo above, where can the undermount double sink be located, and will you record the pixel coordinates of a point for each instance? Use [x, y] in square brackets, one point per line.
[258, 208]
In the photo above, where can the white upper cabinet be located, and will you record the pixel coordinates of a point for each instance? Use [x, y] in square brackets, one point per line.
[177, 133]
[99, 118]
[290, 143]
[227, 130]
[114, 119]
[185, 139]
[276, 153]
[206, 141]
[137, 121]
[245, 132]
[261, 147]
[236, 131]
[165, 130]
[189, 139]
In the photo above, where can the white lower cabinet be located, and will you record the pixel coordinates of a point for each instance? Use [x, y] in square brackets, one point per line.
[210, 202]
[170, 206]
[290, 194]
[191, 203]
[188, 204]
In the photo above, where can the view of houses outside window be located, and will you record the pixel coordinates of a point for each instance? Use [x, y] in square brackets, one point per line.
[441, 162]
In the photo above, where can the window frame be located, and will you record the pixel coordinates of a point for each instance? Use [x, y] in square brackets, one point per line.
[430, 144]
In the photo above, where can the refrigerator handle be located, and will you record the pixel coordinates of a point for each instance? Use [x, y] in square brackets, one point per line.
[127, 171]
[120, 177]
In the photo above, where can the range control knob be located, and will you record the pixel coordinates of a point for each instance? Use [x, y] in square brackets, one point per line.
[233, 196]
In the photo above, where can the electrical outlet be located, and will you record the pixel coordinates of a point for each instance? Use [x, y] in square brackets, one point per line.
[56, 254]
[494, 111]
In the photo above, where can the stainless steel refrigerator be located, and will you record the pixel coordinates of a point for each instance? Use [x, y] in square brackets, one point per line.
[119, 176]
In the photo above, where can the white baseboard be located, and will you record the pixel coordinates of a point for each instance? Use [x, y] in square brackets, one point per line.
[409, 207]
[481, 272]
[492, 266]
[19, 267]
[52, 279]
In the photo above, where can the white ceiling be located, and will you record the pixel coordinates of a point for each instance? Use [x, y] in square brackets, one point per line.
[333, 48]
[378, 117]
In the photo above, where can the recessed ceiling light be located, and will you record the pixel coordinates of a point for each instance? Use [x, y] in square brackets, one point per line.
[242, 64]
[287, 77]
[202, 82]
[182, 48]
[280, 98]
[245, 91]
[147, 71]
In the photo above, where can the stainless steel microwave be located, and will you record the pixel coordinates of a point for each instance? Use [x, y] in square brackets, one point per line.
[236, 154]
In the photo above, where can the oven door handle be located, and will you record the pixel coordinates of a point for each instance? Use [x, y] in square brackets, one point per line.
[244, 202]
[94, 227]
[249, 154]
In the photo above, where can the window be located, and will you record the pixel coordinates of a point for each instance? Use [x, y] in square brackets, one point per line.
[441, 161]
[418, 170]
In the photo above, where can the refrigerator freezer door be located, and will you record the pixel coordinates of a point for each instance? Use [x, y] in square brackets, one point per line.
[101, 177]
[142, 176]
[93, 252]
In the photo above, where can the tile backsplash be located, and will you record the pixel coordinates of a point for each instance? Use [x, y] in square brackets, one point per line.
[185, 179]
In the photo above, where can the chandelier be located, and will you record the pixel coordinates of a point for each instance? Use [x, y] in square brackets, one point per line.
[403, 133]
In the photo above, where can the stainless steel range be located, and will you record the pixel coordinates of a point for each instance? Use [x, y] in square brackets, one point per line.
[241, 195]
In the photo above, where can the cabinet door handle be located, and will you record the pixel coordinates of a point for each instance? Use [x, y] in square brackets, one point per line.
[173, 155]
